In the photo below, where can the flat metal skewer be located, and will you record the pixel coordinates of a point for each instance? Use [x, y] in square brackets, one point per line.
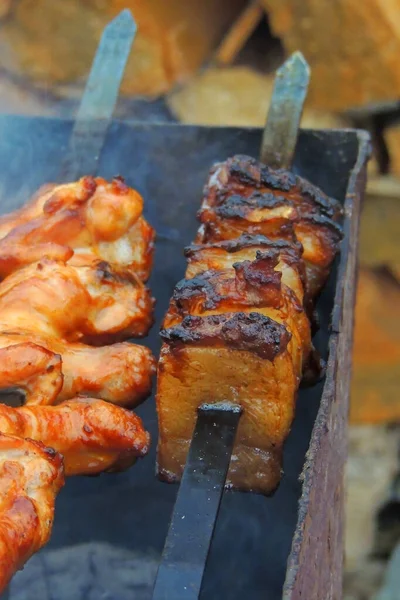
[91, 124]
[184, 557]
[99, 98]
[284, 115]
[186, 548]
[93, 118]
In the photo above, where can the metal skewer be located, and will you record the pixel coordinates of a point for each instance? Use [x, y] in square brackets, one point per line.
[93, 118]
[184, 557]
[284, 115]
[91, 125]
[99, 98]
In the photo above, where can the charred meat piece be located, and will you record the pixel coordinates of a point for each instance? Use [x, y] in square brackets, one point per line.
[240, 357]
[238, 327]
[92, 435]
[245, 196]
[80, 221]
[241, 335]
[31, 476]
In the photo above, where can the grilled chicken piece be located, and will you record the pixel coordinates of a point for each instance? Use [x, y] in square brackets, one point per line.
[56, 306]
[237, 329]
[81, 221]
[31, 476]
[93, 436]
[245, 196]
[95, 303]
[56, 370]
[33, 369]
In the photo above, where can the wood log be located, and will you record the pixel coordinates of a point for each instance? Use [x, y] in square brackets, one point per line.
[392, 139]
[236, 96]
[239, 33]
[52, 43]
[376, 355]
[353, 47]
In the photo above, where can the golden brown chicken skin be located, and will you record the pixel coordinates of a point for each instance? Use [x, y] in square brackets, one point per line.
[95, 303]
[93, 436]
[31, 476]
[237, 329]
[57, 307]
[32, 369]
[93, 218]
[119, 373]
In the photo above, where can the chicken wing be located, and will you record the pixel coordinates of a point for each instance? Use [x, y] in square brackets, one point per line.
[31, 476]
[93, 436]
[93, 303]
[94, 218]
[119, 373]
[57, 306]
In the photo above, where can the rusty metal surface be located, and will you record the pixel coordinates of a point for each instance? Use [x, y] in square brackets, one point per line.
[128, 513]
[315, 563]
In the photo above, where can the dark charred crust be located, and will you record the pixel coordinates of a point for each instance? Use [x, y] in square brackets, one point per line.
[238, 206]
[250, 332]
[201, 286]
[321, 220]
[255, 283]
[260, 272]
[249, 172]
[246, 241]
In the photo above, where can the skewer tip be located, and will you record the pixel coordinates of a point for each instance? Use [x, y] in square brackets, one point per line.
[296, 63]
[124, 20]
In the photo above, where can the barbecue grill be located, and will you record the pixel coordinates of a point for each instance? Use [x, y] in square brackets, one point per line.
[287, 546]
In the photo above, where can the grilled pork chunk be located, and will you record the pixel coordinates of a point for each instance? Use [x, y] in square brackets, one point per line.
[237, 328]
[245, 196]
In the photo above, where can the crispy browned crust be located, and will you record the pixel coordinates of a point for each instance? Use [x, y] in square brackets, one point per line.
[244, 196]
[92, 435]
[292, 250]
[31, 476]
[247, 176]
[253, 283]
[251, 332]
[91, 216]
[237, 328]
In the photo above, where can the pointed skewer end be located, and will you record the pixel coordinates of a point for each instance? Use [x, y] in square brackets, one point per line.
[123, 20]
[296, 63]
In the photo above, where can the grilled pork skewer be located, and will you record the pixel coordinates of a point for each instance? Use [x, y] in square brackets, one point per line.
[245, 196]
[237, 327]
[31, 476]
